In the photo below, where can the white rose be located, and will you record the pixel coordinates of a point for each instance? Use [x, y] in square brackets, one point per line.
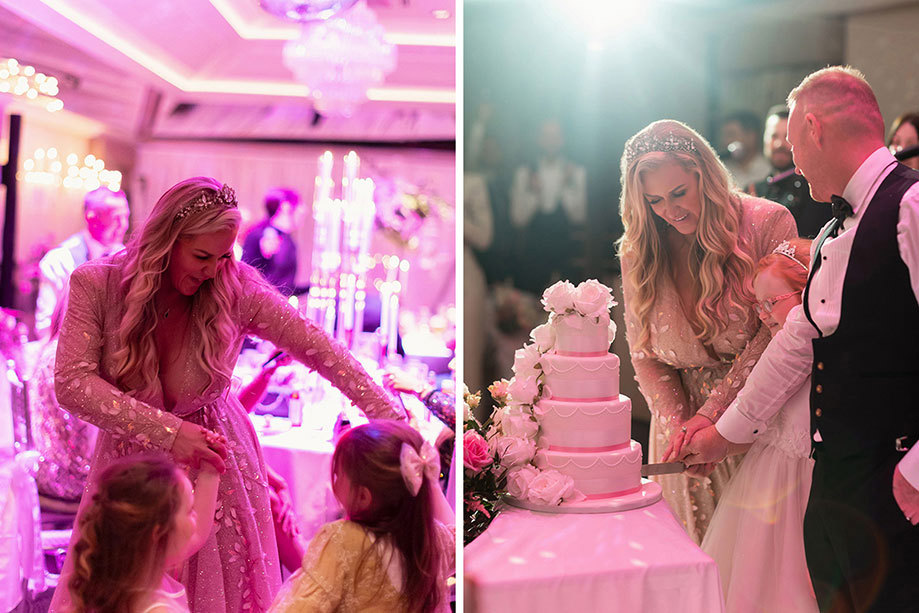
[514, 450]
[520, 425]
[544, 337]
[524, 391]
[519, 479]
[559, 297]
[592, 298]
[526, 360]
[550, 487]
[467, 412]
[611, 331]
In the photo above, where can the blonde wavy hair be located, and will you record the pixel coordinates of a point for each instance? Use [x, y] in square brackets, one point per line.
[722, 269]
[147, 260]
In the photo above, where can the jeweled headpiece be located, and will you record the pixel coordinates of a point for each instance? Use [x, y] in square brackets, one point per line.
[647, 142]
[224, 198]
[788, 250]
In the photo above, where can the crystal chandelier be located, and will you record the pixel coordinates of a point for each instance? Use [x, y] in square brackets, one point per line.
[340, 58]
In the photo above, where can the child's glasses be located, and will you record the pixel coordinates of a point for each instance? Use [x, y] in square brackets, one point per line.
[766, 305]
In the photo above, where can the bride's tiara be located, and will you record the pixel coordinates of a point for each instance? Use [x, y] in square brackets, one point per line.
[224, 198]
[647, 142]
[788, 250]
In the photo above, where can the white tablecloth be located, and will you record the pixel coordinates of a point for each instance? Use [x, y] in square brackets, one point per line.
[303, 458]
[638, 561]
[20, 537]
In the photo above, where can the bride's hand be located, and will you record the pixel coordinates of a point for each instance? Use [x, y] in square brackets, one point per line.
[194, 444]
[681, 437]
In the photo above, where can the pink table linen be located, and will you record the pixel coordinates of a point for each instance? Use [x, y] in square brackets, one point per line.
[632, 561]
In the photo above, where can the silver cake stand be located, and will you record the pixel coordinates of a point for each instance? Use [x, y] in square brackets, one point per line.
[649, 494]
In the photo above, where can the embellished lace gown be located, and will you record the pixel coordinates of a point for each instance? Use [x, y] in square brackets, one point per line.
[679, 376]
[237, 569]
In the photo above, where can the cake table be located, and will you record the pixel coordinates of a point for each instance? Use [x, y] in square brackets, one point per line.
[631, 561]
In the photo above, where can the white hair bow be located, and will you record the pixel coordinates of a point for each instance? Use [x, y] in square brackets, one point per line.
[415, 466]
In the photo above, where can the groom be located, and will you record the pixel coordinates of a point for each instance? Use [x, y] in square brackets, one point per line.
[857, 336]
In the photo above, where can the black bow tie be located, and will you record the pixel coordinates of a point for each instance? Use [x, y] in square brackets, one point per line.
[841, 208]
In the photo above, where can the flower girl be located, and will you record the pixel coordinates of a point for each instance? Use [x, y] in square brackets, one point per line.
[142, 522]
[395, 549]
[757, 531]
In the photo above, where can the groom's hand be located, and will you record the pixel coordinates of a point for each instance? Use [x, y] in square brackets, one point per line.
[907, 497]
[706, 447]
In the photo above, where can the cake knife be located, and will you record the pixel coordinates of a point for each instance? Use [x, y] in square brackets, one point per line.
[664, 468]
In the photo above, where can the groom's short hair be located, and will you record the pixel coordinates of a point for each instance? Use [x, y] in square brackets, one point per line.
[840, 93]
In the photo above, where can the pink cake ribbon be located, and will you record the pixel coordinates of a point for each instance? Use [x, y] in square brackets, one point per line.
[589, 449]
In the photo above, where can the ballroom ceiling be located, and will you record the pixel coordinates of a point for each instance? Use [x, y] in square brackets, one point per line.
[213, 69]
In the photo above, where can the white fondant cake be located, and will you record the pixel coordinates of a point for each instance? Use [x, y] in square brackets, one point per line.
[584, 423]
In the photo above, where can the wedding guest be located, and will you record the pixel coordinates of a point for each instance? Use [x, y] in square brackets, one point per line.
[857, 336]
[784, 185]
[146, 353]
[740, 139]
[106, 214]
[478, 231]
[395, 549]
[65, 444]
[904, 134]
[142, 523]
[269, 246]
[688, 253]
[757, 535]
[548, 209]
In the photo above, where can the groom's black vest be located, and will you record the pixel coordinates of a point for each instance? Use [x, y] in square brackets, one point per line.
[865, 383]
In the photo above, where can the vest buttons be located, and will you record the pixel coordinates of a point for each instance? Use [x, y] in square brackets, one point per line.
[818, 412]
[819, 365]
[819, 389]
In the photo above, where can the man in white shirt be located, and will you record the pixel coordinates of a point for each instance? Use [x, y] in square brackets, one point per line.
[107, 214]
[857, 335]
[548, 205]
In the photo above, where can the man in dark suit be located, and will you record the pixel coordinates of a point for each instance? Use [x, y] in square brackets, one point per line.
[269, 247]
[857, 335]
[784, 185]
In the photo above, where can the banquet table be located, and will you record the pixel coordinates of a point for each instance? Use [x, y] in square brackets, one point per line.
[631, 561]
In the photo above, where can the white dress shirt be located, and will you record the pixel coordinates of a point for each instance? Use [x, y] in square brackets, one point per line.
[787, 361]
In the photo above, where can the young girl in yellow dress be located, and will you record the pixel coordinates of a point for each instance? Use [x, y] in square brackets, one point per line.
[396, 547]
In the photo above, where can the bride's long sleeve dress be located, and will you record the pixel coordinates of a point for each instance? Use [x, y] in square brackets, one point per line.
[237, 569]
[680, 376]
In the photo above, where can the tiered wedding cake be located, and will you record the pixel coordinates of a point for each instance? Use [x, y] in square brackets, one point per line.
[577, 454]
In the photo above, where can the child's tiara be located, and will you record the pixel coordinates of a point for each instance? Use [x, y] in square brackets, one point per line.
[788, 250]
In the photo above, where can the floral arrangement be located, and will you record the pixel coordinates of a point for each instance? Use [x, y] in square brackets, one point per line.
[499, 454]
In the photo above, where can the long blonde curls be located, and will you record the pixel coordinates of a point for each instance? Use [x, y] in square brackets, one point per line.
[148, 257]
[721, 267]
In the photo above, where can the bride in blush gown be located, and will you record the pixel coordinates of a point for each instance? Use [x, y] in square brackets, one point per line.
[690, 245]
[146, 352]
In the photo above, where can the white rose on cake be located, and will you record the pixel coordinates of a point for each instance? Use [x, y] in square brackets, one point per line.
[523, 390]
[518, 423]
[544, 337]
[611, 331]
[513, 450]
[526, 361]
[550, 487]
[519, 479]
[592, 299]
[559, 297]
